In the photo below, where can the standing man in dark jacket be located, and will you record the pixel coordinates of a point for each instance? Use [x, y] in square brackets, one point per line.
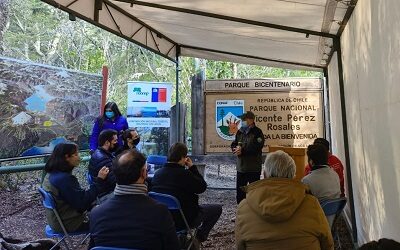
[131, 219]
[103, 157]
[247, 146]
[181, 179]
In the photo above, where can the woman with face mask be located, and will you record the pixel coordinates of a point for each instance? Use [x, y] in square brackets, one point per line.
[130, 138]
[111, 119]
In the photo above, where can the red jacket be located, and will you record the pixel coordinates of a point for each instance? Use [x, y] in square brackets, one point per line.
[336, 165]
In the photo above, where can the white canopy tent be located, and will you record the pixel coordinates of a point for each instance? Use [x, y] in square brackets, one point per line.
[293, 34]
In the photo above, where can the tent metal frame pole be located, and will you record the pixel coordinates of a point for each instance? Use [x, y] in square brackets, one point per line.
[177, 70]
[337, 46]
[230, 18]
[343, 24]
[124, 36]
[254, 57]
[328, 129]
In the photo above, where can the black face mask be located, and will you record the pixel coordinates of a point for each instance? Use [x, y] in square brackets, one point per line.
[136, 141]
[114, 148]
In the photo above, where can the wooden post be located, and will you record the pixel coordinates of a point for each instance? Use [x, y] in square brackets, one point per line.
[198, 113]
[175, 126]
[104, 89]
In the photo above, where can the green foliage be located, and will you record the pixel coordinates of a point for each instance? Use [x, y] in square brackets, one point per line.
[40, 33]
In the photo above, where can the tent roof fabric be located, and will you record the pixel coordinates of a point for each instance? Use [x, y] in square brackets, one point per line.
[295, 34]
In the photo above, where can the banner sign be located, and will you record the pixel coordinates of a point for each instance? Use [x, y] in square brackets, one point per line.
[42, 105]
[287, 84]
[290, 119]
[149, 104]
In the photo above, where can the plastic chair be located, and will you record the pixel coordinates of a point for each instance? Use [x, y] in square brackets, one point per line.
[89, 178]
[157, 159]
[334, 207]
[155, 162]
[173, 204]
[111, 248]
[49, 203]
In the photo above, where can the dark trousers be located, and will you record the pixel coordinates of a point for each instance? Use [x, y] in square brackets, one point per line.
[207, 217]
[242, 179]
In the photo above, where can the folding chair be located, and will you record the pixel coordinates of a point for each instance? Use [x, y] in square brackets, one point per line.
[49, 203]
[334, 207]
[173, 204]
[155, 162]
[89, 178]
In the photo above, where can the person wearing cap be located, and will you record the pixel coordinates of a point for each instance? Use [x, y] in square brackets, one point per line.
[247, 146]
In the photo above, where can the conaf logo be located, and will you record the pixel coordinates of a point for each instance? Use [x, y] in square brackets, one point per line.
[138, 91]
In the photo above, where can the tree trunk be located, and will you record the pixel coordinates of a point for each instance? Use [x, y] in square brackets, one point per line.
[4, 18]
[235, 70]
[197, 92]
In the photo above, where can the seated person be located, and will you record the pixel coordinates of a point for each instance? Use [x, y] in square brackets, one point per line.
[103, 156]
[333, 162]
[323, 181]
[131, 219]
[278, 213]
[181, 179]
[130, 139]
[72, 201]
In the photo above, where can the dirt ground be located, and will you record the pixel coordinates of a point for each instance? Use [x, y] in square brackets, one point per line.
[22, 214]
[23, 217]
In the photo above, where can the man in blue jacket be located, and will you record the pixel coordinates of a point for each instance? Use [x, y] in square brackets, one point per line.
[131, 219]
[103, 157]
[181, 179]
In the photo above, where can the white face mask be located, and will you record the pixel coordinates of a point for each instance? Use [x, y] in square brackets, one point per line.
[244, 124]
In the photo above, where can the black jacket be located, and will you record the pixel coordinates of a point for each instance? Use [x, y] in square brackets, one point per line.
[252, 143]
[185, 185]
[122, 149]
[99, 159]
[133, 221]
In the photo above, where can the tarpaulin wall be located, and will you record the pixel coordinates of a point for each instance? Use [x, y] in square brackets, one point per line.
[371, 70]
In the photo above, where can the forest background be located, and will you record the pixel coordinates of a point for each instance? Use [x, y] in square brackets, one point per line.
[33, 31]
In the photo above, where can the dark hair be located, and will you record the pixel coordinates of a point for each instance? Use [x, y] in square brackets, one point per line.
[57, 161]
[127, 135]
[318, 154]
[176, 152]
[127, 166]
[110, 105]
[323, 142]
[106, 135]
[381, 244]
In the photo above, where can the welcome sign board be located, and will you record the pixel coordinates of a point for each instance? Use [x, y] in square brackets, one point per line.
[290, 117]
